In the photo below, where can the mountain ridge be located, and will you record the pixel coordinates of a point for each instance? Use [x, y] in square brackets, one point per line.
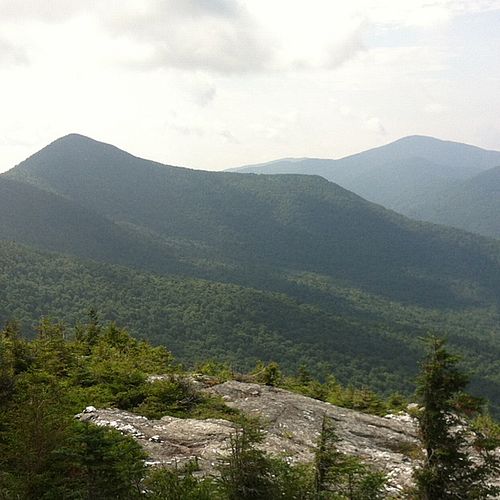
[352, 277]
[473, 203]
[407, 176]
[422, 142]
[283, 222]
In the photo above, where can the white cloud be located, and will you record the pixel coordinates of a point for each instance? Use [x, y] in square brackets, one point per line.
[373, 124]
[28, 10]
[11, 53]
[344, 50]
[345, 110]
[217, 35]
[276, 126]
[434, 108]
[185, 125]
[203, 95]
[228, 137]
[239, 36]
[424, 13]
[198, 88]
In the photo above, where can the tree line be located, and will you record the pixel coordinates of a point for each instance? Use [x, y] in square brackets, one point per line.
[46, 454]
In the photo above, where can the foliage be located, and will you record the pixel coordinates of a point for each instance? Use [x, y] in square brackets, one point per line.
[341, 476]
[246, 474]
[101, 463]
[449, 469]
[365, 340]
[179, 484]
[221, 372]
[296, 266]
[231, 227]
[250, 473]
[360, 399]
[472, 204]
[422, 177]
[44, 452]
[269, 374]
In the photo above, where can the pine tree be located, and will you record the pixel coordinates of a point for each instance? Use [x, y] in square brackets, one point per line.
[449, 471]
[342, 476]
[247, 473]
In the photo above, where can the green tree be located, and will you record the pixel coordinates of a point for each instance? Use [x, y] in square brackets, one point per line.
[269, 374]
[97, 463]
[449, 470]
[341, 476]
[181, 484]
[246, 474]
[89, 334]
[37, 422]
[15, 358]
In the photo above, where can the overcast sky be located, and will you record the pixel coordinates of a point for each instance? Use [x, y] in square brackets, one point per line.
[219, 83]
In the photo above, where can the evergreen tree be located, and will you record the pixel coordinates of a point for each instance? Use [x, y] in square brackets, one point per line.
[269, 374]
[449, 471]
[247, 473]
[341, 476]
[101, 464]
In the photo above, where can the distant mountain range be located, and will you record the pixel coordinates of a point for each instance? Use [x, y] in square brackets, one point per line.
[220, 225]
[311, 271]
[421, 177]
[473, 204]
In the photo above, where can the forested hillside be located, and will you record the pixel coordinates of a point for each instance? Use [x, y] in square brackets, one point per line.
[33, 216]
[361, 339]
[473, 205]
[244, 267]
[253, 230]
[453, 159]
[443, 182]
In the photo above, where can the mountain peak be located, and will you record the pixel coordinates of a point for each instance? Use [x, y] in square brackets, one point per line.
[420, 137]
[440, 146]
[74, 140]
[74, 136]
[69, 154]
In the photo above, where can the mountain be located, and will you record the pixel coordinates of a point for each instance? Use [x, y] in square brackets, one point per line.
[47, 220]
[409, 172]
[198, 319]
[473, 205]
[295, 268]
[360, 338]
[260, 230]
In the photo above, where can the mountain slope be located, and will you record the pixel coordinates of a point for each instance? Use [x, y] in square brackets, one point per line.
[473, 205]
[198, 319]
[401, 175]
[361, 339]
[47, 220]
[258, 230]
[338, 282]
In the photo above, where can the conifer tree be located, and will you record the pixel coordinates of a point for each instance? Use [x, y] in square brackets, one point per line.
[342, 476]
[449, 471]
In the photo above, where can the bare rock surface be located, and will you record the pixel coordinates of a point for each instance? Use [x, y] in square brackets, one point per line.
[170, 441]
[292, 421]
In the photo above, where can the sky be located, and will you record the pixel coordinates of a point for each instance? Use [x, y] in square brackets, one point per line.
[215, 84]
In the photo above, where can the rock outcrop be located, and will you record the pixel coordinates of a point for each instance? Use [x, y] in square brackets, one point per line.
[293, 424]
[292, 421]
[169, 441]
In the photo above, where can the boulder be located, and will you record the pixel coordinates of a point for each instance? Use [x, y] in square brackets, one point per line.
[292, 423]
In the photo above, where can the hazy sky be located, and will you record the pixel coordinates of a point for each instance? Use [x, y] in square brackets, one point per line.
[219, 83]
